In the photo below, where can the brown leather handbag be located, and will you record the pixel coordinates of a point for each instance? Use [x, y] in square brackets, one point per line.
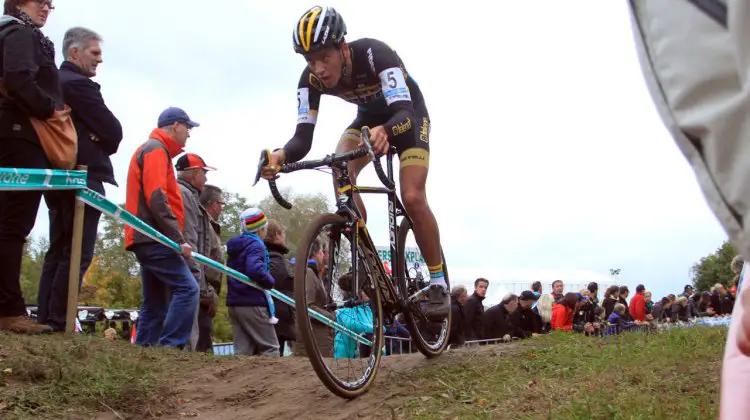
[57, 135]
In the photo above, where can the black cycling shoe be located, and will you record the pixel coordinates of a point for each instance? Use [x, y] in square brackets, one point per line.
[438, 305]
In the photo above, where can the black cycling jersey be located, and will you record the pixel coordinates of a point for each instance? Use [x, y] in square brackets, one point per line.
[380, 86]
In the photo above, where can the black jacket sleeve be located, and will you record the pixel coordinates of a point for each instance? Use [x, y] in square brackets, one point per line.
[87, 103]
[308, 103]
[19, 73]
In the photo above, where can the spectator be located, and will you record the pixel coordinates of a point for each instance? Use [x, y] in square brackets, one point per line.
[661, 310]
[585, 319]
[618, 321]
[191, 177]
[317, 299]
[111, 332]
[524, 319]
[212, 203]
[649, 302]
[276, 244]
[474, 311]
[31, 80]
[154, 197]
[497, 320]
[721, 300]
[564, 310]
[680, 310]
[544, 310]
[624, 292]
[459, 298]
[99, 135]
[638, 304]
[249, 311]
[593, 289]
[692, 310]
[611, 297]
[358, 319]
[558, 288]
[536, 287]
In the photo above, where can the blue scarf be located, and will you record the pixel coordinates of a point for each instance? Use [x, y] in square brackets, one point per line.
[267, 258]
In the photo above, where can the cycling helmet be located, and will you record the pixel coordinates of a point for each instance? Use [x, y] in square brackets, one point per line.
[317, 28]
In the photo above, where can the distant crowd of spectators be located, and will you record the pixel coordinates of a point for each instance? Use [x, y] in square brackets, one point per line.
[534, 312]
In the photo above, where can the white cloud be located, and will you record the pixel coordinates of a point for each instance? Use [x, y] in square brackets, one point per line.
[548, 158]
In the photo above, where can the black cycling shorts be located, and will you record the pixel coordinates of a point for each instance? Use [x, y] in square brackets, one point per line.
[412, 144]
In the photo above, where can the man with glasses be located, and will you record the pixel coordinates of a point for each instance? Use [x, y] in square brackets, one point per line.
[170, 292]
[212, 202]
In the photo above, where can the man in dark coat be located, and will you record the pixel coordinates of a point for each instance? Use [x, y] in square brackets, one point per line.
[276, 244]
[99, 136]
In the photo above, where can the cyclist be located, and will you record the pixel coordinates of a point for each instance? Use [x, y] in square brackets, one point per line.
[368, 73]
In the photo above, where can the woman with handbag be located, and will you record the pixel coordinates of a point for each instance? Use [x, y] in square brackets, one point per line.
[30, 93]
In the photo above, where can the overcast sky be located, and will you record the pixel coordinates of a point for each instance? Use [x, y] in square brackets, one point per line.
[548, 159]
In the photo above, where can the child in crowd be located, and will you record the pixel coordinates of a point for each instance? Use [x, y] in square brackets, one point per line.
[617, 319]
[251, 310]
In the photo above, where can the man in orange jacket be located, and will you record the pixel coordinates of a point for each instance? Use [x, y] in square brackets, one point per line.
[154, 196]
[637, 304]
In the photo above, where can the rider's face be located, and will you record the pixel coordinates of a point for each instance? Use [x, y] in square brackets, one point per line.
[327, 64]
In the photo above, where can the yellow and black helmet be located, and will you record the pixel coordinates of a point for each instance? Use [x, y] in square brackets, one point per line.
[317, 28]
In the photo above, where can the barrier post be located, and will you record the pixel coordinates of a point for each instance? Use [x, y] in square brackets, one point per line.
[75, 262]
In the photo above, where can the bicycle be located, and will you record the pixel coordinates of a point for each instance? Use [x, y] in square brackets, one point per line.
[357, 290]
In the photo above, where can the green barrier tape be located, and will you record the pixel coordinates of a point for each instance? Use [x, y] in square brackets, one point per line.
[41, 179]
[101, 203]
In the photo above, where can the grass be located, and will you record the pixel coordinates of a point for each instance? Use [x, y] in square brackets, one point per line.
[559, 376]
[54, 377]
[564, 376]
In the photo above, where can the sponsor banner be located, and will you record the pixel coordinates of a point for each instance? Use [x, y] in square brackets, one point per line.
[41, 179]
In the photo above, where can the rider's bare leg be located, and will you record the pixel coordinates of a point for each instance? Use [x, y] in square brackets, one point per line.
[413, 180]
[350, 141]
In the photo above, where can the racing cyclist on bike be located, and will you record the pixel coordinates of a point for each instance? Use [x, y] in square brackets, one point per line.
[368, 73]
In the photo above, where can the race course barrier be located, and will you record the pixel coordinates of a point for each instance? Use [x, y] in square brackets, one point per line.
[21, 179]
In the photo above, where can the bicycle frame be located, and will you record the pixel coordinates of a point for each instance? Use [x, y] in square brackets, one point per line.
[347, 208]
[393, 300]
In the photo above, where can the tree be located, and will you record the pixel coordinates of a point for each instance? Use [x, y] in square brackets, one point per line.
[295, 220]
[714, 268]
[31, 267]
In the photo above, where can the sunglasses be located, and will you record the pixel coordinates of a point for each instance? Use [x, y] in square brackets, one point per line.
[47, 3]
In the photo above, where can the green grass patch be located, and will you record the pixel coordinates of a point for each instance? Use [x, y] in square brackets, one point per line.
[54, 376]
[567, 376]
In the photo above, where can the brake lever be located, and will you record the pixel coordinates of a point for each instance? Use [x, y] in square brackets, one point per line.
[265, 158]
[366, 141]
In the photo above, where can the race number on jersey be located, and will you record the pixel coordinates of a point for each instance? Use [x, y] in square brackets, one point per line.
[394, 85]
[304, 113]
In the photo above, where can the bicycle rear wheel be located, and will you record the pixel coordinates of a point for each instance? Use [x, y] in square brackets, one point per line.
[429, 337]
[346, 367]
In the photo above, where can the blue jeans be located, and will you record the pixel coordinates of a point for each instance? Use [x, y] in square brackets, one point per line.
[53, 285]
[170, 297]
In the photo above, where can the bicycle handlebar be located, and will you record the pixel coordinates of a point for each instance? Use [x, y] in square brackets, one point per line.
[329, 160]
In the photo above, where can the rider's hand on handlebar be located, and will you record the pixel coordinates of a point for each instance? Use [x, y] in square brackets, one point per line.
[274, 164]
[379, 140]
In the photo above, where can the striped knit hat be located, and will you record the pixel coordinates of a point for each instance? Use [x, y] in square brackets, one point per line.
[252, 219]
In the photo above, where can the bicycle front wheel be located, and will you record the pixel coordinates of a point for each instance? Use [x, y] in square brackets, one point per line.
[325, 281]
[429, 337]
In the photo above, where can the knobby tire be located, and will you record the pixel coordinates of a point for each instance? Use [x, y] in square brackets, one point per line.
[313, 230]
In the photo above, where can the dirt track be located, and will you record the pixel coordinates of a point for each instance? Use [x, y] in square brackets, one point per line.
[260, 388]
[287, 388]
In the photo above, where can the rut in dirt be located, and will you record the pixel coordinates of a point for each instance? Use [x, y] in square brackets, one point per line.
[287, 388]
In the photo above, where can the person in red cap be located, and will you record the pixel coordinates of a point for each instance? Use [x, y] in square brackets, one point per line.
[191, 177]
